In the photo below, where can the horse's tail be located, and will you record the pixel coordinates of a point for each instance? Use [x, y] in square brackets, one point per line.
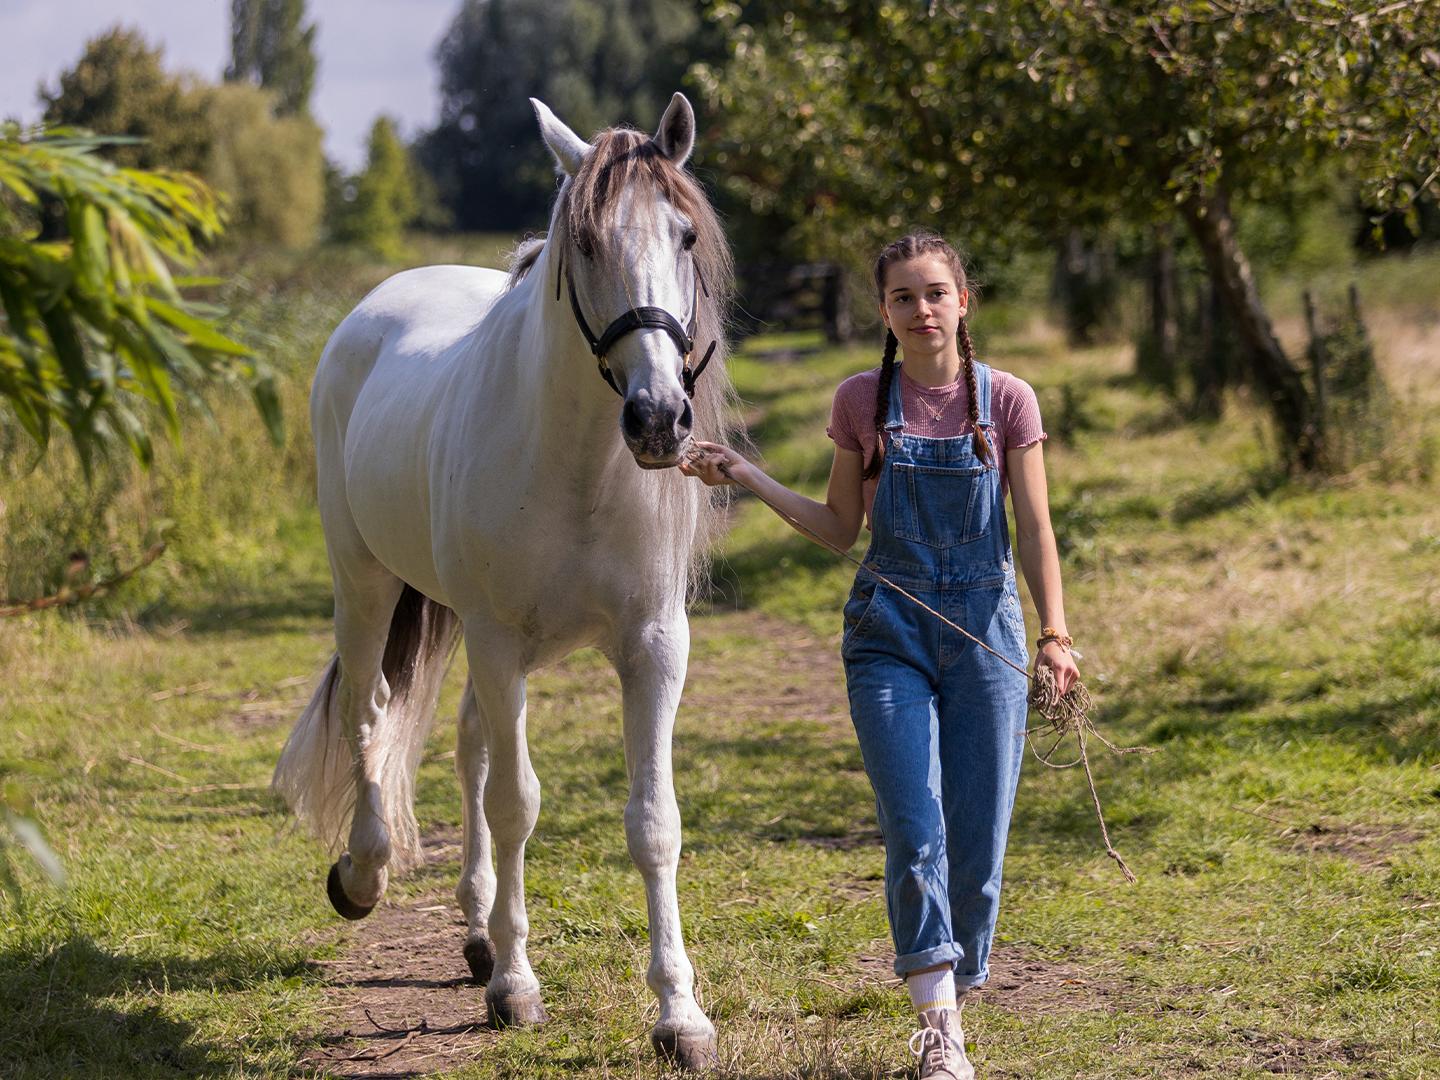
[316, 774]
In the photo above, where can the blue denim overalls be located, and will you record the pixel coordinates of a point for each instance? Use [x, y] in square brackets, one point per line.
[940, 721]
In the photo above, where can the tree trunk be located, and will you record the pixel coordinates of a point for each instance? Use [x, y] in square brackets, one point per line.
[1290, 401]
[1211, 360]
[1083, 286]
[1157, 353]
[1165, 300]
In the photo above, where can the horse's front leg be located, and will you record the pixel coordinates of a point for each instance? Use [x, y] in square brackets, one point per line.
[651, 663]
[511, 806]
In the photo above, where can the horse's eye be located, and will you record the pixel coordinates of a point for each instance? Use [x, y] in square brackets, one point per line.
[688, 240]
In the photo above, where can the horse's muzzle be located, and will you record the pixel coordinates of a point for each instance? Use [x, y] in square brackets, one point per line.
[656, 433]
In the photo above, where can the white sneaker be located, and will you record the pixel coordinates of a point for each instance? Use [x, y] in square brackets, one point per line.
[940, 1046]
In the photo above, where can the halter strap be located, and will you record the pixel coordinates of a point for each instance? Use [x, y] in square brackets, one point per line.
[645, 317]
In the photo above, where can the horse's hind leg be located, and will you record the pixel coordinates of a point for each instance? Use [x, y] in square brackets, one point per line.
[365, 598]
[476, 891]
[651, 663]
[511, 807]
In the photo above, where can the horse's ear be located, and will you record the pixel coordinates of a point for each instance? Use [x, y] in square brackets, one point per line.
[676, 134]
[569, 149]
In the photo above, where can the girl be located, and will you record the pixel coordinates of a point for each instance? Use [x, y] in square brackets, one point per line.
[925, 450]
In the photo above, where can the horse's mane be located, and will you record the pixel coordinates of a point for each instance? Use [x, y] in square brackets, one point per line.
[525, 254]
[623, 159]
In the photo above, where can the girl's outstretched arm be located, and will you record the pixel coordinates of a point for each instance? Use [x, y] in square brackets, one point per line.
[837, 519]
[1039, 557]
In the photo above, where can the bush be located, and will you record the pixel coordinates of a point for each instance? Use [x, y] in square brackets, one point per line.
[376, 206]
[272, 168]
[118, 87]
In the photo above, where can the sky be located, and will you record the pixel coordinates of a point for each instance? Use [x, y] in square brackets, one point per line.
[375, 55]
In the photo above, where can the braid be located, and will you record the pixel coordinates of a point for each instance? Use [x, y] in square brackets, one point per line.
[882, 402]
[967, 355]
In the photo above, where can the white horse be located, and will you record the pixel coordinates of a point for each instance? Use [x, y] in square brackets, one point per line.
[476, 473]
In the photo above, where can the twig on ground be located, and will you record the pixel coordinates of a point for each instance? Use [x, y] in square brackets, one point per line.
[180, 691]
[133, 760]
[186, 742]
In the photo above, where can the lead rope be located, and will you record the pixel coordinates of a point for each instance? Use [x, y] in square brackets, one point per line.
[1064, 715]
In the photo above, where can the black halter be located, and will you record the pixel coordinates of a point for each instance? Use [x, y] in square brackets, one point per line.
[642, 318]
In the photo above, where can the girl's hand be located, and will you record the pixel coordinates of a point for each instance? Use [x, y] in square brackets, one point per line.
[1058, 659]
[705, 460]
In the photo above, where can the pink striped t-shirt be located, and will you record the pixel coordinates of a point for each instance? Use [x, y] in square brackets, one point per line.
[1013, 408]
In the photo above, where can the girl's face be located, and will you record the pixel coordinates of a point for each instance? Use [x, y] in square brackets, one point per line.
[923, 304]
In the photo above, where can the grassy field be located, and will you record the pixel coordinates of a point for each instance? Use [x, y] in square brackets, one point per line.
[1277, 642]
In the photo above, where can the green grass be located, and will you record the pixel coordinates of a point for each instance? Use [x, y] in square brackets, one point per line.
[1276, 641]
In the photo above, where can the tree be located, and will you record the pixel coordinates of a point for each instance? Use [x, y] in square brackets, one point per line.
[269, 47]
[593, 61]
[1013, 121]
[96, 337]
[385, 200]
[118, 87]
[270, 168]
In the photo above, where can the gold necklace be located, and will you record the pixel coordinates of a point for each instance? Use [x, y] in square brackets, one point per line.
[934, 413]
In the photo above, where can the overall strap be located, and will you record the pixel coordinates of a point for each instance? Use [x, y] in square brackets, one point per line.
[982, 393]
[895, 413]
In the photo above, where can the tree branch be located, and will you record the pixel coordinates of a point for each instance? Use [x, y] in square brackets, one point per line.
[89, 591]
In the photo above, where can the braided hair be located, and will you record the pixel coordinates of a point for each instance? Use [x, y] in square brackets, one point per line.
[913, 245]
[882, 398]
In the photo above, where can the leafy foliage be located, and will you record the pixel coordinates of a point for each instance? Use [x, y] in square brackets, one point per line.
[271, 168]
[96, 333]
[1011, 122]
[989, 116]
[385, 196]
[119, 87]
[269, 47]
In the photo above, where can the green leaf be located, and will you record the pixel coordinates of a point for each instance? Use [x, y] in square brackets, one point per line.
[267, 400]
[148, 358]
[91, 252]
[65, 340]
[200, 333]
[133, 432]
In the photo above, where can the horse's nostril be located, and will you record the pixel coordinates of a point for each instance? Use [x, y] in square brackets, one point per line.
[687, 419]
[631, 420]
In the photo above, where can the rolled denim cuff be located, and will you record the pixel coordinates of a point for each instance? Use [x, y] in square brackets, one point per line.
[970, 982]
[947, 953]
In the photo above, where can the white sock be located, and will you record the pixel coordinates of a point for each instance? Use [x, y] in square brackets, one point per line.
[932, 989]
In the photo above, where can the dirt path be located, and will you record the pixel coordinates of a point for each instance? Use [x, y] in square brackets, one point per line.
[404, 1003]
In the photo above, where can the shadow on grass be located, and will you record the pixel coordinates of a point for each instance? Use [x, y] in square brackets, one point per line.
[255, 614]
[1227, 493]
[81, 1010]
[745, 575]
[1401, 727]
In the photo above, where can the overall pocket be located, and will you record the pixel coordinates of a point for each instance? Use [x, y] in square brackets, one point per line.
[940, 506]
[860, 610]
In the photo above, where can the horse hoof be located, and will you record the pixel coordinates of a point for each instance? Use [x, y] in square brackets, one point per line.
[517, 1010]
[480, 955]
[339, 901]
[685, 1051]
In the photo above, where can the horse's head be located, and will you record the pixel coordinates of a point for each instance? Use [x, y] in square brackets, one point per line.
[633, 233]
